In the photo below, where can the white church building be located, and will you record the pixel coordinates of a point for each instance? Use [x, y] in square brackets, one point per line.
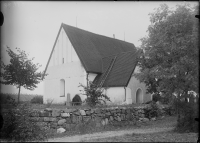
[80, 56]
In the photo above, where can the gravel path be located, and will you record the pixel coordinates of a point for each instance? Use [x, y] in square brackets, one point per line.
[79, 138]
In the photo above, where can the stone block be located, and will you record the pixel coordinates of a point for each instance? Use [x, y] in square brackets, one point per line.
[123, 117]
[91, 111]
[69, 110]
[44, 114]
[142, 115]
[107, 114]
[65, 115]
[68, 120]
[55, 112]
[82, 112]
[34, 119]
[103, 122]
[111, 118]
[46, 119]
[118, 119]
[88, 112]
[48, 109]
[50, 119]
[62, 121]
[34, 113]
[86, 118]
[153, 119]
[61, 130]
[106, 121]
[42, 124]
[76, 113]
[145, 119]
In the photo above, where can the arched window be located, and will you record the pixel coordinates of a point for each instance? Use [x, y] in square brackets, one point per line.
[62, 88]
[139, 96]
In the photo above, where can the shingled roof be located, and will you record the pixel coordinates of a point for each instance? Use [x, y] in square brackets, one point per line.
[112, 59]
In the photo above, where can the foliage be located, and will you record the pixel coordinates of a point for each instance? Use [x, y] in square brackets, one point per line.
[76, 100]
[94, 94]
[152, 111]
[18, 127]
[188, 113]
[21, 71]
[170, 60]
[156, 97]
[49, 102]
[37, 100]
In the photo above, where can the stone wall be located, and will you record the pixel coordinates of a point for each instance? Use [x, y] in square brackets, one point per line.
[66, 119]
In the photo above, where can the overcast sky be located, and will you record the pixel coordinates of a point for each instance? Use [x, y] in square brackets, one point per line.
[33, 26]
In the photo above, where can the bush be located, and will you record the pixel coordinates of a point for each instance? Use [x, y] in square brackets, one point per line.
[94, 94]
[152, 110]
[76, 100]
[18, 127]
[156, 97]
[188, 113]
[37, 100]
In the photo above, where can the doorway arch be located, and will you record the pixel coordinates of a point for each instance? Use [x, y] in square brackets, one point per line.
[62, 88]
[139, 96]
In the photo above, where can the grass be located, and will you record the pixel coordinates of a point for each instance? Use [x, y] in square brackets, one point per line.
[23, 97]
[172, 136]
[154, 137]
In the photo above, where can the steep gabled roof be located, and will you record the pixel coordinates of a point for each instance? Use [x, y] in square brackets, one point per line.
[121, 71]
[91, 47]
[113, 60]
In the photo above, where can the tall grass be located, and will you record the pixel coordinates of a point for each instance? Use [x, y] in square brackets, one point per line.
[23, 97]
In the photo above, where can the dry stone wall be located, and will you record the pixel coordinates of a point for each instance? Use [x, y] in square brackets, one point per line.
[68, 119]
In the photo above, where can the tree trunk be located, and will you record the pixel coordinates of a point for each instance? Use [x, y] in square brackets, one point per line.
[19, 94]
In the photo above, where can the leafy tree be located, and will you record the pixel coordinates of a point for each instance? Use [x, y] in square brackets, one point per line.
[20, 72]
[94, 94]
[170, 60]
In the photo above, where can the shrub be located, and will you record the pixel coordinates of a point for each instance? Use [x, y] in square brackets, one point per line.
[156, 97]
[152, 110]
[186, 121]
[94, 94]
[49, 102]
[37, 100]
[18, 127]
[76, 100]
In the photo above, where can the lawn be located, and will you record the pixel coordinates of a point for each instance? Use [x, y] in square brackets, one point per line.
[153, 137]
[171, 136]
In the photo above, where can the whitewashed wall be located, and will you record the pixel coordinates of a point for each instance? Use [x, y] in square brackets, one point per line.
[70, 69]
[134, 84]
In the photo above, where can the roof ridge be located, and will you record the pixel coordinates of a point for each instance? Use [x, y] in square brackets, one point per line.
[98, 34]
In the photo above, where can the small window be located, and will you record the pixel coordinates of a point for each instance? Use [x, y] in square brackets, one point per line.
[62, 88]
[63, 60]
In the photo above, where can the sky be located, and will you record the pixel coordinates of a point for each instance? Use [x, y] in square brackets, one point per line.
[33, 26]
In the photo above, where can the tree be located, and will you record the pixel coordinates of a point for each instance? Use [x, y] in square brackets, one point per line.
[21, 71]
[170, 60]
[94, 94]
